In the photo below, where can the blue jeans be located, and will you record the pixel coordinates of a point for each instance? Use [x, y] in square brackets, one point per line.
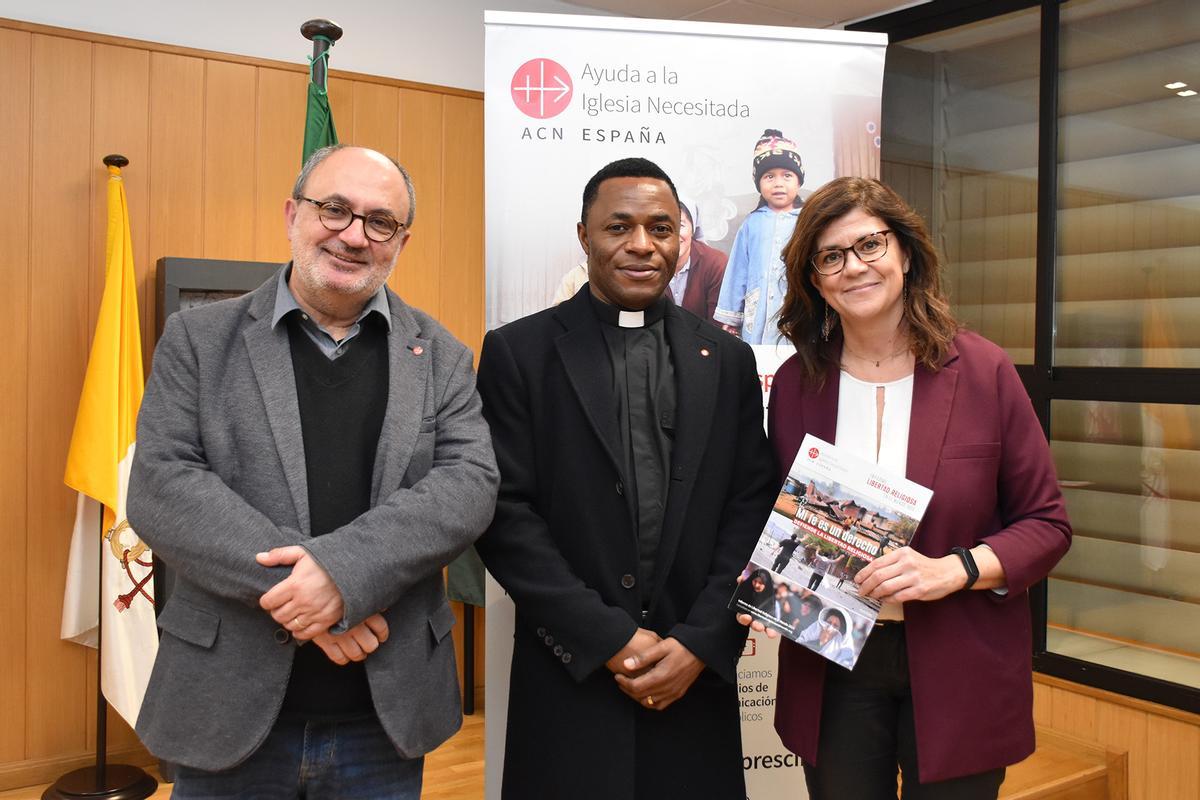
[344, 760]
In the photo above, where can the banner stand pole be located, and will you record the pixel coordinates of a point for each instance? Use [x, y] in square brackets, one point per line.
[102, 781]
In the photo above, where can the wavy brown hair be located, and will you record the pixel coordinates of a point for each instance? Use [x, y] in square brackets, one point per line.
[926, 309]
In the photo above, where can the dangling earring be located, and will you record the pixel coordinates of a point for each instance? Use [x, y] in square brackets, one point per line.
[827, 325]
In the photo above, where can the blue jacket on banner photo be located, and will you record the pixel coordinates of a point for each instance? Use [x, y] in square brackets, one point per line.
[756, 279]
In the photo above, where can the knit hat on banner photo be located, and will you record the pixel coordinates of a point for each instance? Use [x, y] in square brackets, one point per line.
[774, 151]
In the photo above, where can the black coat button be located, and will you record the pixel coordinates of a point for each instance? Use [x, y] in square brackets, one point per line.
[541, 632]
[566, 658]
[620, 488]
[628, 581]
[558, 649]
[549, 640]
[282, 636]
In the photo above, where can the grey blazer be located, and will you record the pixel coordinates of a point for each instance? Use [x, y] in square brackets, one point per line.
[219, 475]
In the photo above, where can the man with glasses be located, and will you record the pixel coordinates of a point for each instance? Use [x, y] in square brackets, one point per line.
[310, 456]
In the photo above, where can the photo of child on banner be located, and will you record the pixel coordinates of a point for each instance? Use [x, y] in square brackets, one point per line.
[833, 516]
[755, 279]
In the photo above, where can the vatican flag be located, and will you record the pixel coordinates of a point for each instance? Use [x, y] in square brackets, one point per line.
[98, 468]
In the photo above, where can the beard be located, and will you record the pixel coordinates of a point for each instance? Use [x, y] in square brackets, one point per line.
[322, 278]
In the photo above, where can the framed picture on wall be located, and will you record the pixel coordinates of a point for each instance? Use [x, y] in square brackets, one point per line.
[187, 282]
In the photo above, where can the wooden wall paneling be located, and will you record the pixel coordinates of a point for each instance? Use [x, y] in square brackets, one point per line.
[1073, 713]
[280, 122]
[461, 303]
[1125, 729]
[120, 116]
[341, 105]
[176, 167]
[229, 158]
[120, 124]
[15, 55]
[1172, 759]
[376, 117]
[201, 182]
[417, 277]
[58, 341]
[1043, 701]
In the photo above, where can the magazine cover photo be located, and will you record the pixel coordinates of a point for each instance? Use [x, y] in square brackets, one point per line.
[834, 515]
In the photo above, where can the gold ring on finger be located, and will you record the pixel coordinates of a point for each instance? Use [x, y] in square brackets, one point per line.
[649, 699]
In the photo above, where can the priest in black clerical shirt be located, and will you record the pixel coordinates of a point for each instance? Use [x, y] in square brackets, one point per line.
[635, 479]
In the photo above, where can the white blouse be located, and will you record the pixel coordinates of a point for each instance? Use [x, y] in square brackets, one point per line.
[858, 433]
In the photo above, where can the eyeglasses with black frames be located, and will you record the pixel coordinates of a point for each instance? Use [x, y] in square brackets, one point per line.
[335, 216]
[832, 260]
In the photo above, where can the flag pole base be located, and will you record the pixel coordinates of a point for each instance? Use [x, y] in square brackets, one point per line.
[120, 782]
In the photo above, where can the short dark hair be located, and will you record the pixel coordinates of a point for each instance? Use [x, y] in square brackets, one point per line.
[320, 154]
[623, 168]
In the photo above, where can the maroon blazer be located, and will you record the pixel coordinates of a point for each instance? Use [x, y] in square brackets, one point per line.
[975, 440]
[705, 273]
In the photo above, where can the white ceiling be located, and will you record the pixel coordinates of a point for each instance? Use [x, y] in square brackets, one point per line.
[793, 13]
[442, 42]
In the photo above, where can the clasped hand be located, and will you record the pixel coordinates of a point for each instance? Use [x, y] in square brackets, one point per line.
[307, 602]
[654, 672]
[355, 644]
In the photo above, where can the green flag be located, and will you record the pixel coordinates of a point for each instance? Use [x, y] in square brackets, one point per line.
[319, 130]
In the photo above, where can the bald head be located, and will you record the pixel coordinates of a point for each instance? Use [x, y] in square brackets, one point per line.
[318, 157]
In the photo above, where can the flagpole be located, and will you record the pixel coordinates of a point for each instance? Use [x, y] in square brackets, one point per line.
[322, 33]
[103, 781]
[101, 703]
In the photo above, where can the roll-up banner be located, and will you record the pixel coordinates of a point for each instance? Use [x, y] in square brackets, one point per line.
[727, 111]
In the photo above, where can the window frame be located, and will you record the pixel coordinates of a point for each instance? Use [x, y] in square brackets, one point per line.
[1043, 380]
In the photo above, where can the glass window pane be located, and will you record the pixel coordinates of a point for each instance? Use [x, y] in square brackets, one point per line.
[1127, 594]
[960, 143]
[1129, 184]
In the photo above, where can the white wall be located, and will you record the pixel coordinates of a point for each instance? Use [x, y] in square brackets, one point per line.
[429, 41]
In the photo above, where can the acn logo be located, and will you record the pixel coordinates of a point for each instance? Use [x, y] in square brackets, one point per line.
[541, 88]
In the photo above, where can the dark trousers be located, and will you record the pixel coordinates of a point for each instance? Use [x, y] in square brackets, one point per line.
[867, 731]
[781, 561]
[815, 580]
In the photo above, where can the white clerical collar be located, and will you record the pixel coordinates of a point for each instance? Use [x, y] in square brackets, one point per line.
[621, 318]
[631, 319]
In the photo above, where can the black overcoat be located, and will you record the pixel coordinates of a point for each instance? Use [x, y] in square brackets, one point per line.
[563, 545]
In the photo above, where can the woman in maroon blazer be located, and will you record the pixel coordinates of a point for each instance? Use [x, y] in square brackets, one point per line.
[943, 689]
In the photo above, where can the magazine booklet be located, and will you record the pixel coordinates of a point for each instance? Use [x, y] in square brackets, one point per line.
[835, 514]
